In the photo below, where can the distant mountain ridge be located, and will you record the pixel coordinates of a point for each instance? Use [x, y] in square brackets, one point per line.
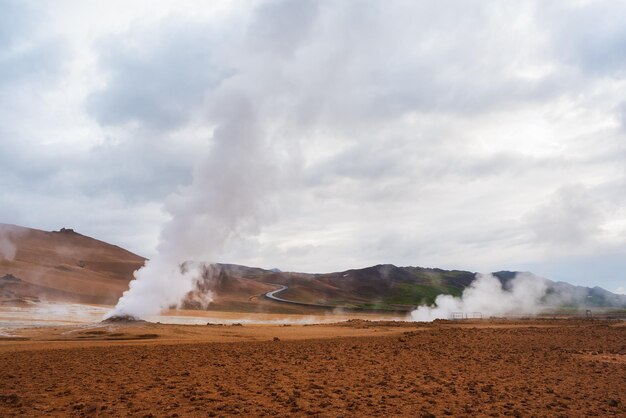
[389, 287]
[67, 266]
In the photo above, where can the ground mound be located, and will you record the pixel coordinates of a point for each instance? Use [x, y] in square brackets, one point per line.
[123, 319]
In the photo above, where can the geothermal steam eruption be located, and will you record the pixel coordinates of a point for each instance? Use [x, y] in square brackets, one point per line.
[252, 154]
[227, 198]
[522, 295]
[7, 248]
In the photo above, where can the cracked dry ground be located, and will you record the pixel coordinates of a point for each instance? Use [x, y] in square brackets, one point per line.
[573, 370]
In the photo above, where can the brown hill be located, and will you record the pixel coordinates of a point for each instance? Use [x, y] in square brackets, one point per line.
[381, 287]
[62, 265]
[238, 289]
[390, 288]
[67, 266]
[70, 267]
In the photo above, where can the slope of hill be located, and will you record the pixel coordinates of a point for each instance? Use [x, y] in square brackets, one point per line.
[67, 266]
[388, 287]
[62, 265]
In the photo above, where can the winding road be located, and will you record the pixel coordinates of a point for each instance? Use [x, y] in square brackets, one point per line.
[272, 295]
[281, 288]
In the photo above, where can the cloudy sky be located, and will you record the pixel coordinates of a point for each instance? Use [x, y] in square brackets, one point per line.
[320, 136]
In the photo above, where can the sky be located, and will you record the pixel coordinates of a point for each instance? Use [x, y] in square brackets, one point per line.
[319, 136]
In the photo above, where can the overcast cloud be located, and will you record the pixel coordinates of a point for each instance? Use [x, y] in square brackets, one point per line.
[475, 135]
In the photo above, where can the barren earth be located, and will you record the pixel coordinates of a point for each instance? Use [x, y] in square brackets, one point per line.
[356, 368]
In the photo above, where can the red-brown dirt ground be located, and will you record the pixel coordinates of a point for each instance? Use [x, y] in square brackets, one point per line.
[564, 368]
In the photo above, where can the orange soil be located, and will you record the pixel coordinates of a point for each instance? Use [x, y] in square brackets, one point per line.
[359, 368]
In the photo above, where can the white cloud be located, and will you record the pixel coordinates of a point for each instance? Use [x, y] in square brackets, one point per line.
[473, 135]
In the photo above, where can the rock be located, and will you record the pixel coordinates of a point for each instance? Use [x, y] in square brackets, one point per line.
[10, 278]
[10, 399]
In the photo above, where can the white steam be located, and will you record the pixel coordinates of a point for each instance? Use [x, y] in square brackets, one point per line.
[8, 250]
[249, 158]
[157, 286]
[252, 156]
[486, 296]
[228, 198]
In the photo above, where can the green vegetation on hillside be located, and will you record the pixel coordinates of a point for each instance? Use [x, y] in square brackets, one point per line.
[417, 294]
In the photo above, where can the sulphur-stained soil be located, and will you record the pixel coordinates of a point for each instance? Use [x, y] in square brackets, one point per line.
[503, 368]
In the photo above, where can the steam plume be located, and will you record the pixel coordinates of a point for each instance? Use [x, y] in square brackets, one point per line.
[251, 153]
[523, 295]
[7, 248]
[227, 198]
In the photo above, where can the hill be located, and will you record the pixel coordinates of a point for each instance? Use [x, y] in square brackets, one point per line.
[67, 266]
[62, 265]
[388, 287]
